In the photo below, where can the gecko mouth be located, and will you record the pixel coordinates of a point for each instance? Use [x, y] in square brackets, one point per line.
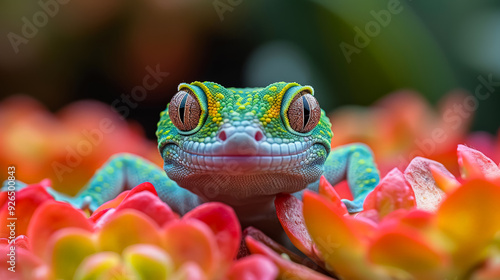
[276, 157]
[242, 178]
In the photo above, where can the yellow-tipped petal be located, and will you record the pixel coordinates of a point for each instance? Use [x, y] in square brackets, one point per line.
[69, 248]
[97, 266]
[470, 219]
[444, 180]
[406, 250]
[336, 239]
[148, 261]
[126, 228]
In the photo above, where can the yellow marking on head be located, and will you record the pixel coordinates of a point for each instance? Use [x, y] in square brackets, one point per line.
[169, 137]
[369, 170]
[356, 154]
[106, 185]
[373, 180]
[361, 161]
[99, 178]
[275, 102]
[97, 189]
[216, 86]
[110, 169]
[119, 164]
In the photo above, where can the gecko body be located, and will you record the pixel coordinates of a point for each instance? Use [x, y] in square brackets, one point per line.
[240, 146]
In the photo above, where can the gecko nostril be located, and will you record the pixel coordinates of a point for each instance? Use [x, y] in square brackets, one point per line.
[222, 136]
[259, 136]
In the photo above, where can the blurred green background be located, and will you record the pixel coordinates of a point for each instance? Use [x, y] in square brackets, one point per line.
[63, 51]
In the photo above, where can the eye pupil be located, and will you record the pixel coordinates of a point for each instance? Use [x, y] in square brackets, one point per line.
[307, 110]
[182, 107]
[184, 111]
[303, 113]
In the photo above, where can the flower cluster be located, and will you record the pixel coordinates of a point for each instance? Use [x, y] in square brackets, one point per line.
[420, 224]
[135, 236]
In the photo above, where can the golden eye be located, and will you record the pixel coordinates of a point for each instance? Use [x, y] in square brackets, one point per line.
[304, 112]
[184, 111]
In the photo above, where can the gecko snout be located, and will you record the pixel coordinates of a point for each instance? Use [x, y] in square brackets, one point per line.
[240, 142]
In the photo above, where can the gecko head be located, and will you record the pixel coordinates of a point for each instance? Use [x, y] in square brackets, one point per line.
[241, 146]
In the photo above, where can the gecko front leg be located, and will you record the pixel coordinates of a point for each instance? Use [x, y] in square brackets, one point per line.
[125, 171]
[354, 163]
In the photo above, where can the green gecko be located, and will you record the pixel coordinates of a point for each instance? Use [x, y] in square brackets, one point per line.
[240, 146]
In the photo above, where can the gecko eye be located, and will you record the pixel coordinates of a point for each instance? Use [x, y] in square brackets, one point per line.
[184, 111]
[304, 112]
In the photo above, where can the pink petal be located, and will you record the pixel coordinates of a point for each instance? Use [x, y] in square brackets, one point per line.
[314, 262]
[26, 202]
[223, 222]
[149, 204]
[191, 240]
[288, 269]
[391, 194]
[475, 164]
[253, 267]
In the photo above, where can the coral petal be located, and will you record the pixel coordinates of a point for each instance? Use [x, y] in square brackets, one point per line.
[444, 180]
[405, 250]
[289, 211]
[51, 217]
[191, 241]
[335, 237]
[224, 224]
[470, 218]
[326, 190]
[110, 204]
